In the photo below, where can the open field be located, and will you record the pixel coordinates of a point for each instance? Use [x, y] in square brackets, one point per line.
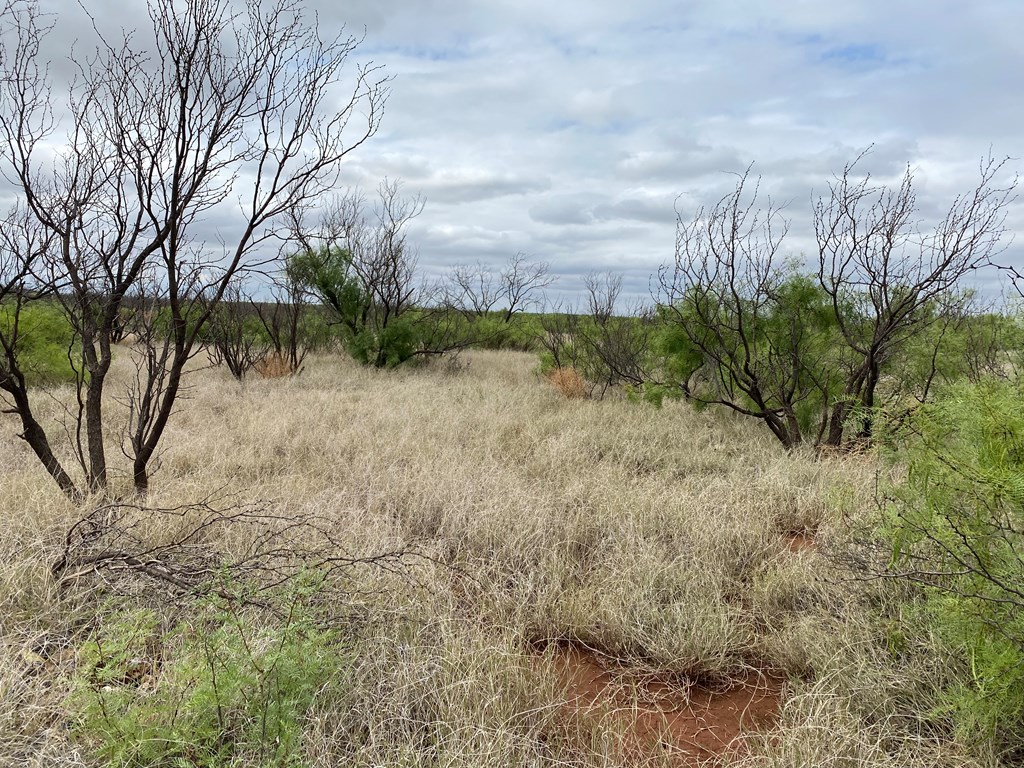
[580, 573]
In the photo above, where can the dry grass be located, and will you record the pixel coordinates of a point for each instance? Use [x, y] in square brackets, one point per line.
[651, 534]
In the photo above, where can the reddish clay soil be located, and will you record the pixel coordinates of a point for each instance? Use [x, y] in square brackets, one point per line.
[695, 724]
[800, 541]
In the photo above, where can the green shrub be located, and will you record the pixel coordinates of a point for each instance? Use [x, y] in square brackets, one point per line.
[957, 528]
[387, 346]
[221, 689]
[493, 332]
[45, 345]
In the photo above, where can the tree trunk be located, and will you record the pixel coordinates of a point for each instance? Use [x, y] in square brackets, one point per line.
[868, 400]
[144, 442]
[33, 434]
[835, 425]
[94, 431]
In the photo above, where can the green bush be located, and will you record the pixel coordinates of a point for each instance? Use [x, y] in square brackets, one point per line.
[387, 346]
[772, 353]
[493, 332]
[957, 528]
[45, 346]
[221, 689]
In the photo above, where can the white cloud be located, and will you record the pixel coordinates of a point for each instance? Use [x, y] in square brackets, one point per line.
[568, 129]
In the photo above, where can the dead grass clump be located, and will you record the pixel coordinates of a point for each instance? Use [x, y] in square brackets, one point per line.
[275, 366]
[569, 382]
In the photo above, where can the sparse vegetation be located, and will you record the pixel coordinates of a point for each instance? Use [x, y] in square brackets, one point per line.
[652, 535]
[221, 687]
[493, 560]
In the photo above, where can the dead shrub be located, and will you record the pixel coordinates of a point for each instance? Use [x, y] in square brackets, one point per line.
[569, 382]
[274, 366]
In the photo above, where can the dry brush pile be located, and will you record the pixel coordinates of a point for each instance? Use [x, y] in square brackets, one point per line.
[474, 526]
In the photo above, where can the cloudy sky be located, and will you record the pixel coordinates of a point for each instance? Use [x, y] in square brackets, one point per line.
[569, 130]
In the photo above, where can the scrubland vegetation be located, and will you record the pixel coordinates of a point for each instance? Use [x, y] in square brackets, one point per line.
[523, 520]
[292, 504]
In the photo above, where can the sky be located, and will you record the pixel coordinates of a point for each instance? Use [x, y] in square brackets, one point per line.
[573, 131]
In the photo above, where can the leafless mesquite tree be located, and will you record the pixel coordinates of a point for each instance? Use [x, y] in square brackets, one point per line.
[887, 276]
[282, 320]
[476, 290]
[232, 105]
[617, 343]
[609, 344]
[559, 325]
[229, 336]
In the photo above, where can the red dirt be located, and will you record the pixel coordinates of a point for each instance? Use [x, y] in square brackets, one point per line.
[696, 724]
[800, 541]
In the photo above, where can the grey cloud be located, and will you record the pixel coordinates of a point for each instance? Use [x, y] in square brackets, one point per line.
[588, 209]
[443, 185]
[676, 164]
[567, 130]
[463, 187]
[652, 211]
[564, 210]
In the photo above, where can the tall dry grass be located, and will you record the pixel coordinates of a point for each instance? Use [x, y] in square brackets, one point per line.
[654, 535]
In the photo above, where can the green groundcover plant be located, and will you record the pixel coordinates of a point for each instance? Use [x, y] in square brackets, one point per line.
[224, 687]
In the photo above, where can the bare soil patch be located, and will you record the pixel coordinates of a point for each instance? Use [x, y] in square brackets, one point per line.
[692, 722]
[800, 541]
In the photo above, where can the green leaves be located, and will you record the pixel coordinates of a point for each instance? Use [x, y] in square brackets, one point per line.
[771, 353]
[957, 528]
[43, 343]
[372, 335]
[328, 275]
[230, 689]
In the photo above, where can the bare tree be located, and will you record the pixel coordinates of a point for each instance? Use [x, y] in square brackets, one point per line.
[473, 290]
[560, 328]
[616, 345]
[230, 334]
[523, 280]
[283, 320]
[886, 277]
[477, 290]
[608, 345]
[603, 291]
[24, 100]
[157, 142]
